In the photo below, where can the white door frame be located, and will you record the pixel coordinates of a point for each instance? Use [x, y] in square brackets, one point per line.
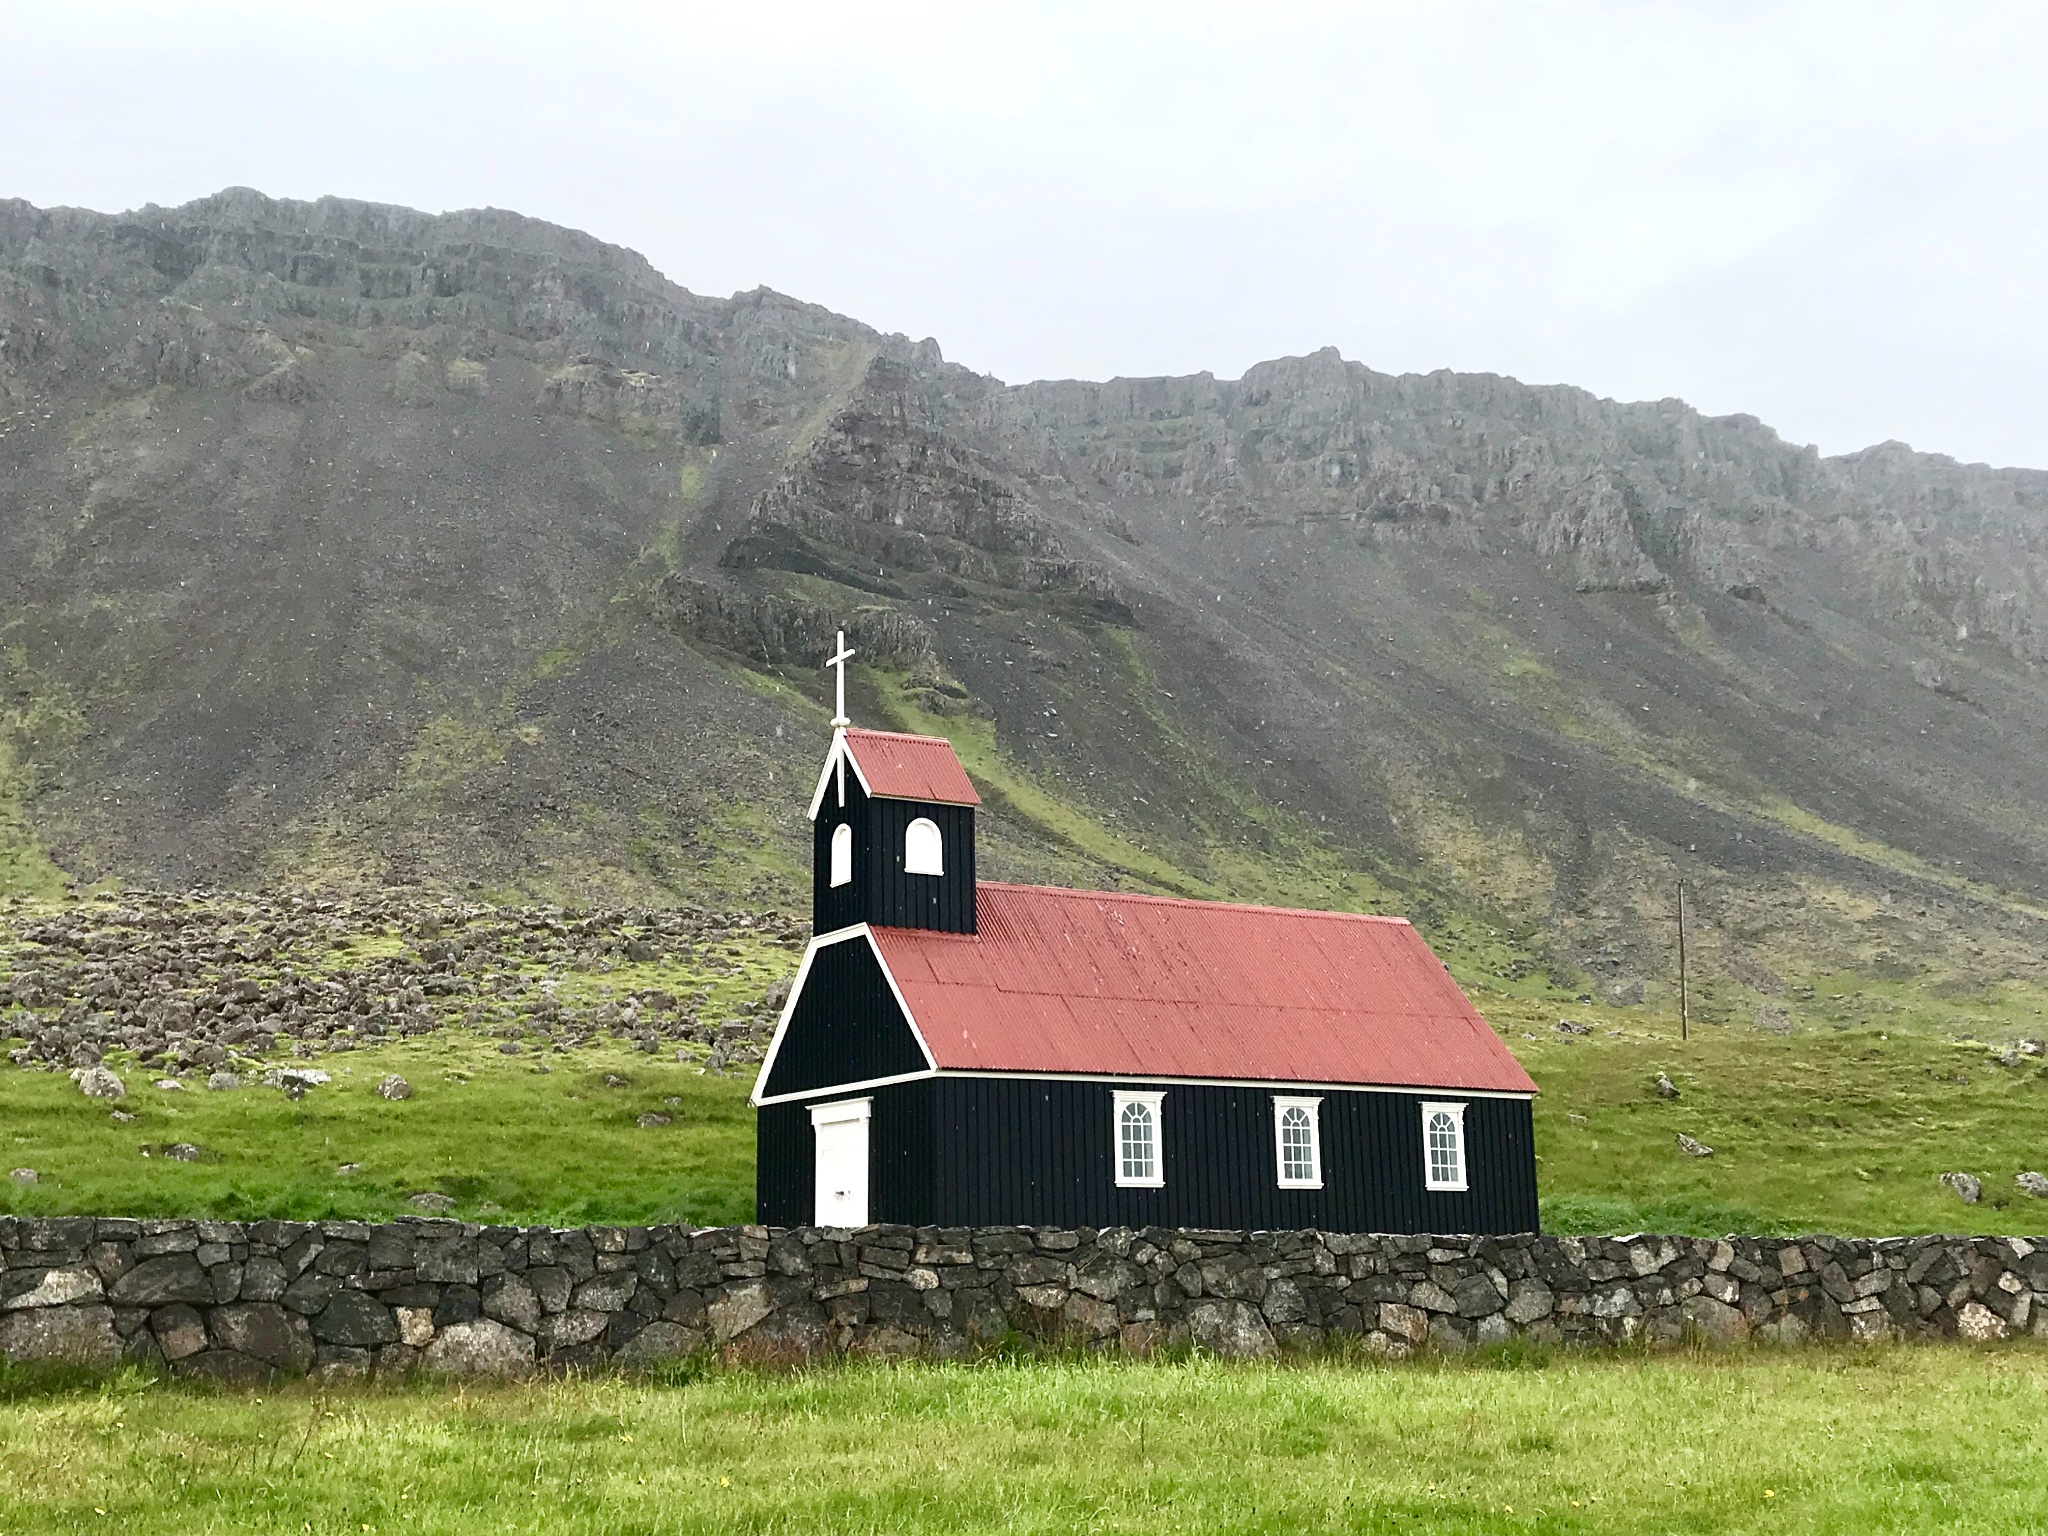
[843, 1129]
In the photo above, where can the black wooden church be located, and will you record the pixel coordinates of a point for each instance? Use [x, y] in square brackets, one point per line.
[963, 1053]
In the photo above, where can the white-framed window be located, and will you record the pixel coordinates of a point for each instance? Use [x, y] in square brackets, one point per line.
[842, 854]
[1137, 1144]
[924, 851]
[1298, 1142]
[1443, 1145]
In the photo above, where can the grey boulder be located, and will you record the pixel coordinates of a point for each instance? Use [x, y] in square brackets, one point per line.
[79, 1335]
[660, 1341]
[53, 1288]
[157, 1282]
[1232, 1329]
[1713, 1321]
[264, 1331]
[355, 1320]
[99, 1082]
[479, 1348]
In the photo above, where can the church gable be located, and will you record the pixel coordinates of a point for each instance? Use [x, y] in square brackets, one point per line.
[844, 1025]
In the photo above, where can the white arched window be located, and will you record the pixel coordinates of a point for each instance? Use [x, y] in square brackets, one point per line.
[842, 854]
[1443, 1145]
[1297, 1142]
[924, 851]
[1137, 1141]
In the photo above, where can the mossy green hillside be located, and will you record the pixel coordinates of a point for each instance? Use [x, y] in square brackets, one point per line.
[38, 726]
[1284, 861]
[1822, 1130]
[1837, 1131]
[543, 1136]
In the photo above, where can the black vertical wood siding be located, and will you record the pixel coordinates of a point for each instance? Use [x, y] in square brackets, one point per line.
[881, 892]
[846, 1026]
[901, 1157]
[995, 1151]
[783, 1150]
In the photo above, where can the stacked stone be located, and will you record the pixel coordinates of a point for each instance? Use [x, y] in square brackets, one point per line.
[246, 1301]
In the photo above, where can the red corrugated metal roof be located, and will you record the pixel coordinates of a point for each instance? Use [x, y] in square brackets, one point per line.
[899, 767]
[1106, 984]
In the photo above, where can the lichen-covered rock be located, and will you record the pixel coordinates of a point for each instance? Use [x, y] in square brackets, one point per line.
[738, 1310]
[1979, 1323]
[159, 1281]
[356, 1321]
[1232, 1329]
[179, 1331]
[80, 1335]
[52, 1288]
[1528, 1301]
[98, 1082]
[1714, 1322]
[510, 1300]
[480, 1348]
[264, 1331]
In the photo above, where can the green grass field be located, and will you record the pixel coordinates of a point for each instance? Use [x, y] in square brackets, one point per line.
[1840, 1131]
[1939, 1438]
[506, 1140]
[1834, 1130]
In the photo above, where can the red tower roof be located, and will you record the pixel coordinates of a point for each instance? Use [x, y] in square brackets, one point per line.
[893, 766]
[1101, 984]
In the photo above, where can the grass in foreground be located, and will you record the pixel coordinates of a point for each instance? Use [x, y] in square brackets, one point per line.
[1919, 1439]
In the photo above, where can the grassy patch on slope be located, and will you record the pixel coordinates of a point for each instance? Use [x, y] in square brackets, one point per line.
[1844, 1131]
[1938, 1438]
[509, 1143]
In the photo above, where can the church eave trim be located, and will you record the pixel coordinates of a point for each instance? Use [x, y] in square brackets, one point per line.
[839, 747]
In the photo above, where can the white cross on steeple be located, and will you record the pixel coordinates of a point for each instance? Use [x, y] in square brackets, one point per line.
[839, 721]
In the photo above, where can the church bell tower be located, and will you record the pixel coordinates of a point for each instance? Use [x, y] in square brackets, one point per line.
[892, 829]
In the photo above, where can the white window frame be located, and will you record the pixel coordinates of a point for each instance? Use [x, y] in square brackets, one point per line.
[1457, 1114]
[1119, 1100]
[841, 872]
[936, 843]
[1313, 1108]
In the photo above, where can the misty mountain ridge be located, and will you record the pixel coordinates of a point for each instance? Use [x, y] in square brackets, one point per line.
[345, 545]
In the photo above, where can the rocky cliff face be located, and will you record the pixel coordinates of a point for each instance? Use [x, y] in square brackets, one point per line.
[343, 543]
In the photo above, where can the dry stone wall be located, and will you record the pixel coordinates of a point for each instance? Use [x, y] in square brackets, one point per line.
[245, 1301]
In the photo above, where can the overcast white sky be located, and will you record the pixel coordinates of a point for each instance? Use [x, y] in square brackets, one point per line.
[1832, 216]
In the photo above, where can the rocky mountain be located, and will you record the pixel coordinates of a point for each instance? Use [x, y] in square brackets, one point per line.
[345, 545]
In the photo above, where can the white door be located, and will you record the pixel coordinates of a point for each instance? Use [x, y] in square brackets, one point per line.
[841, 1131]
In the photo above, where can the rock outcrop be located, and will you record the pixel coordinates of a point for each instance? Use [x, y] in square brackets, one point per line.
[343, 544]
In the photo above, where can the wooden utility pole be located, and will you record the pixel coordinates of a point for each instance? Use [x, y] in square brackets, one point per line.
[1684, 1012]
